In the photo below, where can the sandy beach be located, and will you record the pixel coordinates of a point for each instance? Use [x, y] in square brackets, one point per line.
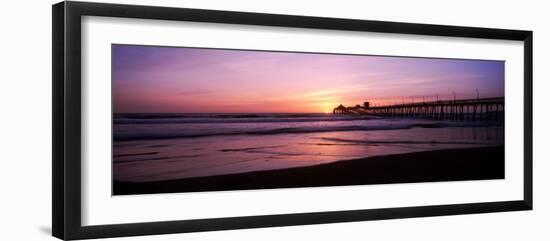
[427, 166]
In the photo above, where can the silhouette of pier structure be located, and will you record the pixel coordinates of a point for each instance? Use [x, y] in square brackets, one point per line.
[454, 110]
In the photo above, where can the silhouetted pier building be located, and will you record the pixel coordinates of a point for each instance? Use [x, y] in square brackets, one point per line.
[366, 104]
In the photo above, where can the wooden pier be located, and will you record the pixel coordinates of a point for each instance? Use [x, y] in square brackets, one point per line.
[455, 110]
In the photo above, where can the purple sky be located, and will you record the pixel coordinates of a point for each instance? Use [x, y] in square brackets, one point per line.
[149, 79]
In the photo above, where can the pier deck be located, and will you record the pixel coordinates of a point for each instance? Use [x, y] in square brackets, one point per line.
[458, 110]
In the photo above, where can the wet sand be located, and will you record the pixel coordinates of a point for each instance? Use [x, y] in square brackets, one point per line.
[442, 165]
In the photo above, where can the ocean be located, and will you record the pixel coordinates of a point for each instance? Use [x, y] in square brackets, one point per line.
[155, 147]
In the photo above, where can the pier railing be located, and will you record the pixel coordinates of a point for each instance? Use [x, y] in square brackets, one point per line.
[458, 110]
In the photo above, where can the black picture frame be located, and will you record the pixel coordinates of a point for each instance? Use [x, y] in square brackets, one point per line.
[66, 128]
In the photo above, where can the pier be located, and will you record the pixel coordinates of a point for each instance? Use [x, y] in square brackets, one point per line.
[454, 110]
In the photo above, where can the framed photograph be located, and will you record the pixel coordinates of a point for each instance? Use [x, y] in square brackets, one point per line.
[169, 120]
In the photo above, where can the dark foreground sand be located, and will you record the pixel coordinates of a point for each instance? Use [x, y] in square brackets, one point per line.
[443, 165]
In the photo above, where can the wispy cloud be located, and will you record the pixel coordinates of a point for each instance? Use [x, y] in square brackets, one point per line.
[193, 92]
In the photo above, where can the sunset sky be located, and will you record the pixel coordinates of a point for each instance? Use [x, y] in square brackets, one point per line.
[150, 79]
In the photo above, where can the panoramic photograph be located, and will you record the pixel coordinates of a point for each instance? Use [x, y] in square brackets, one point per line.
[189, 119]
